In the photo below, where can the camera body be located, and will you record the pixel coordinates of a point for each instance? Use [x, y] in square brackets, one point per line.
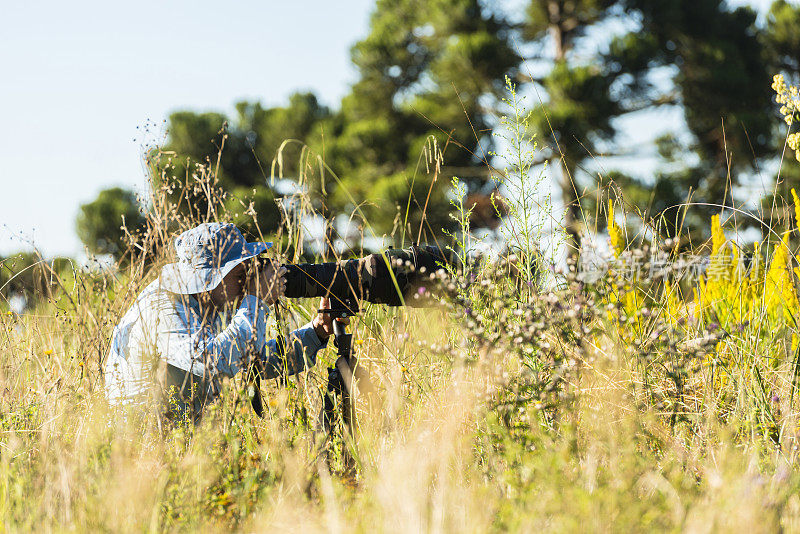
[388, 278]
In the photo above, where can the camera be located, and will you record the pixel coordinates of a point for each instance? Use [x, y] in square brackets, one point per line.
[389, 278]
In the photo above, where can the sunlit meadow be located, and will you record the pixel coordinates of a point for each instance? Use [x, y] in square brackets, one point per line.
[529, 399]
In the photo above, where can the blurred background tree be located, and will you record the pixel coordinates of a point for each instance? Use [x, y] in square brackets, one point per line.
[721, 76]
[27, 279]
[434, 71]
[578, 105]
[699, 55]
[781, 41]
[100, 222]
[246, 147]
[19, 277]
[428, 69]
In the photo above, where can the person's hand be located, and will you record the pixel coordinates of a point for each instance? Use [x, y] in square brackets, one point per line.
[323, 322]
[268, 283]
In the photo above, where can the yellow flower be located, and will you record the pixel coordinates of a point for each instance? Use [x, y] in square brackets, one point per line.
[796, 207]
[48, 352]
[793, 141]
[674, 302]
[722, 290]
[789, 98]
[778, 84]
[9, 312]
[779, 290]
[717, 235]
[359, 341]
[614, 232]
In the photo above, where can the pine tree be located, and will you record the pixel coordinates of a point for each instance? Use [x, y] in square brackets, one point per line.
[721, 79]
[427, 70]
[582, 91]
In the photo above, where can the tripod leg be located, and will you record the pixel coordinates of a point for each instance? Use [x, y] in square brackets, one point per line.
[327, 414]
[346, 374]
[255, 382]
[343, 365]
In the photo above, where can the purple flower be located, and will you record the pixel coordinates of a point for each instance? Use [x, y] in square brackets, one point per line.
[743, 325]
[421, 291]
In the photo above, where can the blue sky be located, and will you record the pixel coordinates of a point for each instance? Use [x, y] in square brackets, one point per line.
[78, 78]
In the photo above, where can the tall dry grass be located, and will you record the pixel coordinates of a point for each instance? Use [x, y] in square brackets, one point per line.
[583, 406]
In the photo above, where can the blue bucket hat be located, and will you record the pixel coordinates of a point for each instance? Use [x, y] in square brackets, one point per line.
[206, 254]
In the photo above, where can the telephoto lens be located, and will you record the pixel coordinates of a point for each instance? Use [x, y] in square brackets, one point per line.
[389, 278]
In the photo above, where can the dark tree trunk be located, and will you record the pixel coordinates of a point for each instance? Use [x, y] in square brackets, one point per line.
[569, 193]
[572, 209]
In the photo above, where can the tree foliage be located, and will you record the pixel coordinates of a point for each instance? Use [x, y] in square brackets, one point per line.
[429, 77]
[716, 70]
[427, 70]
[781, 41]
[100, 222]
[241, 151]
[583, 92]
[722, 80]
[28, 276]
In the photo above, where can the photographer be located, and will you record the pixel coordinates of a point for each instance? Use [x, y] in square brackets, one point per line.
[205, 317]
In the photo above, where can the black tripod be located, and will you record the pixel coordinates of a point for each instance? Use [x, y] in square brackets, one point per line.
[340, 376]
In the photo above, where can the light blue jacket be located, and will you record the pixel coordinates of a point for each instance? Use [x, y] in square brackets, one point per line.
[167, 328]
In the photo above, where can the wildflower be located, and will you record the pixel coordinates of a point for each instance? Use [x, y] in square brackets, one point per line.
[359, 341]
[778, 84]
[9, 312]
[721, 290]
[779, 289]
[614, 232]
[796, 208]
[674, 303]
[793, 141]
[48, 352]
[789, 98]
